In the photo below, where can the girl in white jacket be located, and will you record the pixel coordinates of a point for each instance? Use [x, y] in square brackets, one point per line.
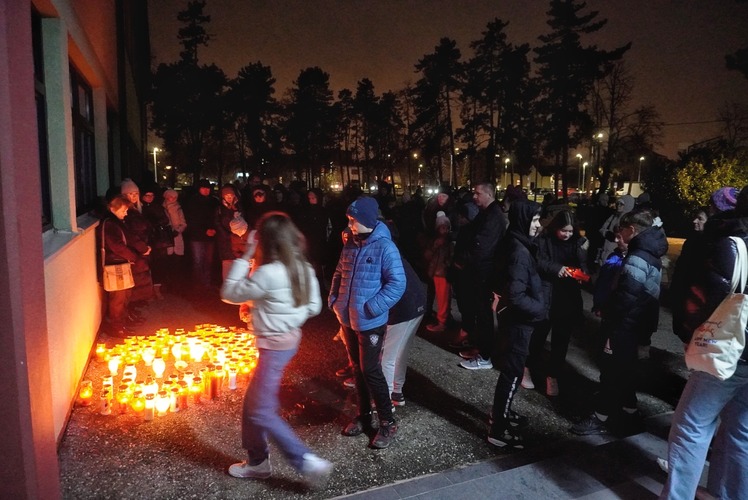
[283, 292]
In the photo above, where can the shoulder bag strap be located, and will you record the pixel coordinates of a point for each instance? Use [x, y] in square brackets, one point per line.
[740, 271]
[103, 250]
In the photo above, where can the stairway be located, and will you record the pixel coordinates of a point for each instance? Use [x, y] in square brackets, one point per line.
[589, 467]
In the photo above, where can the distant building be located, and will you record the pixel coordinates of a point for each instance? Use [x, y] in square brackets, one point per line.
[73, 80]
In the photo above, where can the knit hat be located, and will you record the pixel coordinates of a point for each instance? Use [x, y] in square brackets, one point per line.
[204, 183]
[169, 193]
[442, 220]
[128, 186]
[725, 198]
[364, 210]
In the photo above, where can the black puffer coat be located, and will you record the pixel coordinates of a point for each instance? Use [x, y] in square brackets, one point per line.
[634, 304]
[709, 281]
[527, 296]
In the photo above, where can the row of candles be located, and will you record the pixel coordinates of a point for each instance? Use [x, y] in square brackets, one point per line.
[205, 360]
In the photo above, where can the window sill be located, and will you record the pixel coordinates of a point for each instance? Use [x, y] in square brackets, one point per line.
[54, 240]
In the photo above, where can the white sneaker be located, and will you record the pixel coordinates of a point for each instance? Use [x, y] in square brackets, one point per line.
[477, 363]
[551, 386]
[316, 470]
[527, 380]
[262, 470]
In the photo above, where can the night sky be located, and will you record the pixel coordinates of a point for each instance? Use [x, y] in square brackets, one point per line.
[677, 55]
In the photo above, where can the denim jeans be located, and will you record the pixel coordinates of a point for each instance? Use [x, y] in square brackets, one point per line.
[260, 419]
[201, 253]
[397, 343]
[364, 351]
[704, 401]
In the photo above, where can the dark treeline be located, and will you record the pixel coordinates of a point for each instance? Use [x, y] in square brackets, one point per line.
[466, 117]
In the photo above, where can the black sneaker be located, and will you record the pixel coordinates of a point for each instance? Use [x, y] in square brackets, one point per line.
[385, 435]
[510, 437]
[361, 424]
[590, 425]
[397, 399]
[514, 419]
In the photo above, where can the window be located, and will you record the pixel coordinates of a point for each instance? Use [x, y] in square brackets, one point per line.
[41, 118]
[84, 145]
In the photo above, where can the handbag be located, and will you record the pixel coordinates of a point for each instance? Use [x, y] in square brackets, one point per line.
[115, 277]
[717, 344]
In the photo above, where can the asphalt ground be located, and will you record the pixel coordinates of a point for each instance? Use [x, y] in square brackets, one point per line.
[442, 426]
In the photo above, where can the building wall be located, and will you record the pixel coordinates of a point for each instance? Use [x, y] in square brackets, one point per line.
[50, 301]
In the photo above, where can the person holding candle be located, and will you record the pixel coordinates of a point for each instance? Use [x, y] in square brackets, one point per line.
[283, 292]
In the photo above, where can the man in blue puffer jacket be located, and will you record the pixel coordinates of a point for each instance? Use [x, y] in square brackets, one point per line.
[368, 281]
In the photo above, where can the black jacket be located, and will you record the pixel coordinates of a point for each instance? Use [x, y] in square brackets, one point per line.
[486, 230]
[525, 295]
[634, 304]
[566, 293]
[707, 282]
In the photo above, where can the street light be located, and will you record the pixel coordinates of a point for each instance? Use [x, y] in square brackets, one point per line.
[584, 176]
[506, 164]
[639, 176]
[579, 171]
[155, 164]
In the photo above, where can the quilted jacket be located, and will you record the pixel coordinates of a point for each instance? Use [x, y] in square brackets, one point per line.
[634, 304]
[368, 280]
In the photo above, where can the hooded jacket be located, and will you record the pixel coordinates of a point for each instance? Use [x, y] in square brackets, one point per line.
[708, 281]
[527, 296]
[610, 224]
[634, 303]
[368, 281]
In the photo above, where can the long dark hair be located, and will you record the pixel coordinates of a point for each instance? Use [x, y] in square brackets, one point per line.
[562, 219]
[280, 240]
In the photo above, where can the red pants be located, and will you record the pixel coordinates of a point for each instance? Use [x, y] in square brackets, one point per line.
[443, 295]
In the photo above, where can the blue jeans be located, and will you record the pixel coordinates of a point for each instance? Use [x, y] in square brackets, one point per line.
[260, 419]
[704, 401]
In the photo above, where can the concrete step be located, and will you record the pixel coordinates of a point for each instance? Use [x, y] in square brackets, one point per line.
[590, 467]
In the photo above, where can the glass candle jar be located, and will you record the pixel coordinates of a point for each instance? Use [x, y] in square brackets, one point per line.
[150, 407]
[85, 393]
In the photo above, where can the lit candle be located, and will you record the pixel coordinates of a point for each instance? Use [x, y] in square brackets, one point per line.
[183, 392]
[232, 378]
[149, 354]
[176, 351]
[137, 403]
[105, 401]
[196, 389]
[123, 398]
[174, 399]
[114, 365]
[85, 393]
[159, 365]
[100, 351]
[130, 371]
[162, 403]
[150, 404]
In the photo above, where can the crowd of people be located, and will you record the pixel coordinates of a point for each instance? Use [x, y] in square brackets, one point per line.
[514, 267]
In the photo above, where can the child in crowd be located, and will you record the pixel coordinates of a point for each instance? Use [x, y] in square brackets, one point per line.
[562, 254]
[439, 258]
[284, 292]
